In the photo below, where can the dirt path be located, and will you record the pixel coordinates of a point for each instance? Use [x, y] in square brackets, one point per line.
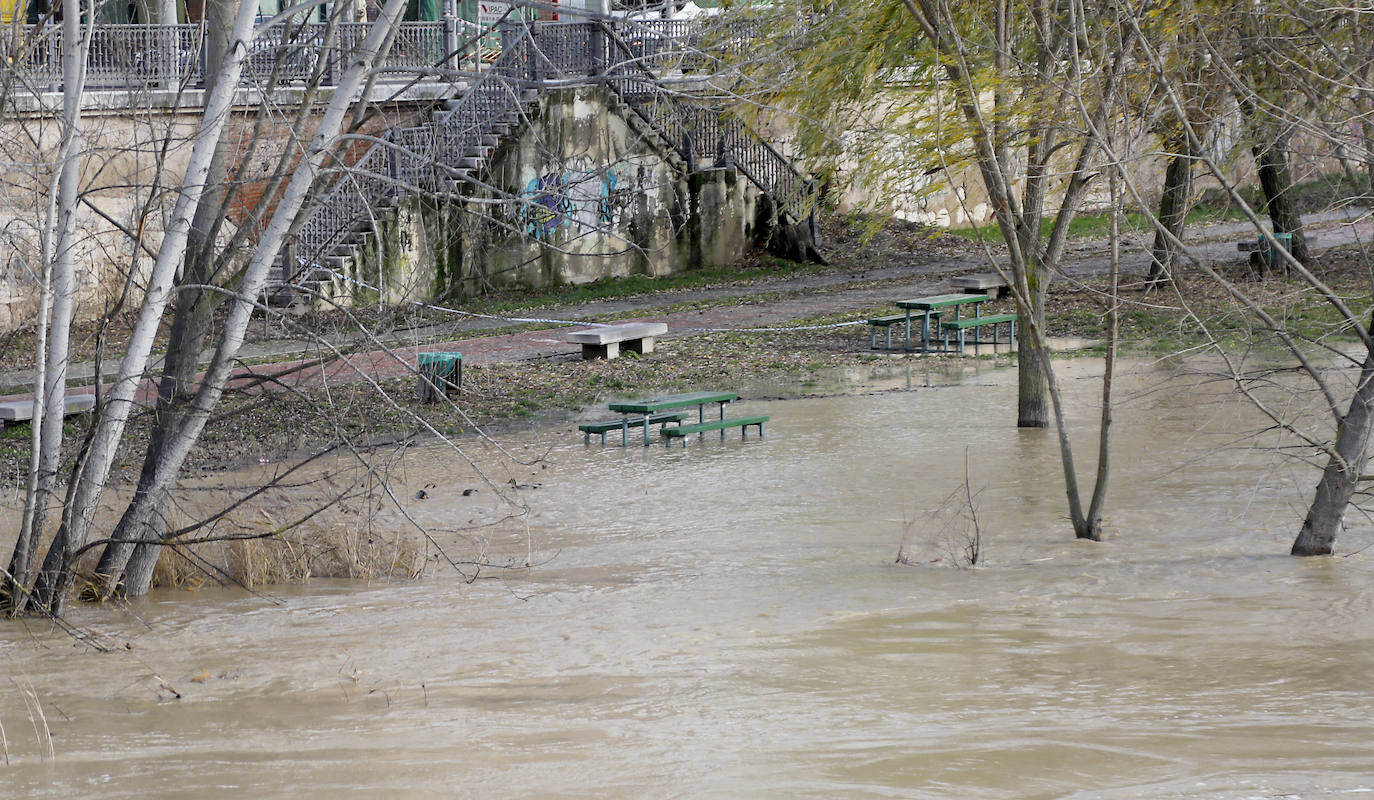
[781, 302]
[865, 277]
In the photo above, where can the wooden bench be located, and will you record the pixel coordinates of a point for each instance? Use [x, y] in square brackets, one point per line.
[21, 410]
[981, 283]
[684, 431]
[886, 324]
[625, 423]
[440, 373]
[605, 341]
[961, 326]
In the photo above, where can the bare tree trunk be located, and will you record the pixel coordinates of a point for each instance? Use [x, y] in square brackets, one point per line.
[138, 575]
[1342, 474]
[1276, 180]
[1173, 211]
[1092, 524]
[1032, 406]
[56, 577]
[144, 517]
[58, 309]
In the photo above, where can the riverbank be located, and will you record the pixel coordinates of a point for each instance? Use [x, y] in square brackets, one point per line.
[521, 375]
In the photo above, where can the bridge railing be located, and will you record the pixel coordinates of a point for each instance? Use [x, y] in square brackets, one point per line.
[146, 56]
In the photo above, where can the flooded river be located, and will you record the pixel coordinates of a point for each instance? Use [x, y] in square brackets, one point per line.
[728, 620]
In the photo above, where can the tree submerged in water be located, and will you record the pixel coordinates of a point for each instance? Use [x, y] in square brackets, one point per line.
[1042, 104]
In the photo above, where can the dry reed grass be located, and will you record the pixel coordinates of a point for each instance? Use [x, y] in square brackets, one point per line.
[325, 550]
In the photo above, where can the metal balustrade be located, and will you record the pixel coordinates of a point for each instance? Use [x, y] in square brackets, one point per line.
[149, 56]
[421, 159]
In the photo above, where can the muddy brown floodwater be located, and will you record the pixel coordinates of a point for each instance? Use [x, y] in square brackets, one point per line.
[728, 621]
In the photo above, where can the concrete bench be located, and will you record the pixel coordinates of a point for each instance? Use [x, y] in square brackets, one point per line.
[684, 431]
[961, 326]
[22, 410]
[605, 341]
[981, 283]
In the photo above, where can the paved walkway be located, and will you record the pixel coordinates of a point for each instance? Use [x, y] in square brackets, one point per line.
[783, 301]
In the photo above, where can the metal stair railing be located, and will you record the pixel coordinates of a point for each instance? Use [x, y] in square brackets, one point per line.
[408, 161]
[427, 158]
[698, 131]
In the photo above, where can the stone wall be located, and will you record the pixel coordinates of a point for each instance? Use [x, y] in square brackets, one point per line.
[578, 194]
[133, 159]
[128, 161]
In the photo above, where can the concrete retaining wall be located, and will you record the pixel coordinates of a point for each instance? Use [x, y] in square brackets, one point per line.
[580, 193]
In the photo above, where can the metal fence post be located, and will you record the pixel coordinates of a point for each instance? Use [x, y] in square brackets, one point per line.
[448, 27]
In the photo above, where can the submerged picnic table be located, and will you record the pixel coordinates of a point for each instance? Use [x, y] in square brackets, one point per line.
[932, 307]
[646, 408]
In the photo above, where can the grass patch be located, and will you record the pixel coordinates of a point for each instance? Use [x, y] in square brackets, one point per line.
[1097, 225]
[635, 285]
[1198, 312]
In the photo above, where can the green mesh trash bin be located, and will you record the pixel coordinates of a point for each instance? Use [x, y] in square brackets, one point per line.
[440, 374]
[1273, 259]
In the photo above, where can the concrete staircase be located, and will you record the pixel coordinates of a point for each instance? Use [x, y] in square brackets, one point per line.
[446, 156]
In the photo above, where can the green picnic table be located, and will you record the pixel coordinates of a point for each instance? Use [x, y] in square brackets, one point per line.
[645, 408]
[933, 306]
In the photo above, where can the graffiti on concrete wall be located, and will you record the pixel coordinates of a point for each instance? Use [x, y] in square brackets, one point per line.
[576, 199]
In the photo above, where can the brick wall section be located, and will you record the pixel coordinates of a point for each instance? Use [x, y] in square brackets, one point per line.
[251, 167]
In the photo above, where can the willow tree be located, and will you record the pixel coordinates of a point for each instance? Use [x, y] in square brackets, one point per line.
[1204, 93]
[1019, 93]
[1326, 63]
[1015, 92]
[1324, 59]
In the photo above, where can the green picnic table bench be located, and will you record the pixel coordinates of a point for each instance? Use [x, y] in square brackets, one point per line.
[933, 307]
[962, 326]
[684, 432]
[645, 409]
[625, 423]
[886, 324]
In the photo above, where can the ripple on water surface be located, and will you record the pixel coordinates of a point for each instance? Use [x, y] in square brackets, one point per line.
[727, 620]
